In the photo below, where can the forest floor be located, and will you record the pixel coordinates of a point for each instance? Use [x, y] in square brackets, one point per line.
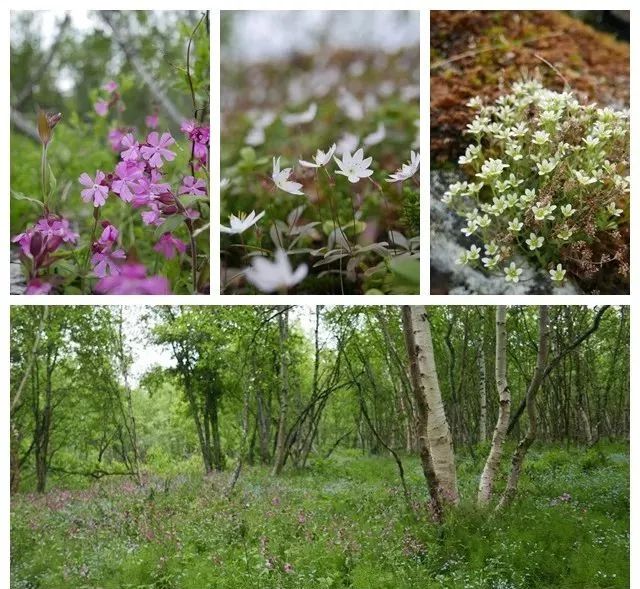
[342, 522]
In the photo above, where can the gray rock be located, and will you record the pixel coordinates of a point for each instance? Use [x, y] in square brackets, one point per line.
[448, 243]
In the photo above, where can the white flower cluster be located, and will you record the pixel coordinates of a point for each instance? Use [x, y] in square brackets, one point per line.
[544, 171]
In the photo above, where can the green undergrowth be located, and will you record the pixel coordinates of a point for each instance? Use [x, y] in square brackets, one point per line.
[342, 522]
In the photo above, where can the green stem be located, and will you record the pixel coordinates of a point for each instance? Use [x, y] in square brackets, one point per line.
[43, 175]
[85, 266]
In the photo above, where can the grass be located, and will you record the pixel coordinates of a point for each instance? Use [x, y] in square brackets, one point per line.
[341, 523]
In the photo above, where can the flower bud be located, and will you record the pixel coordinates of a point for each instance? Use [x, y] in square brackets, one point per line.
[46, 124]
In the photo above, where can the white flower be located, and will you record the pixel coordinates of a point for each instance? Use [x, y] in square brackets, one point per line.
[534, 242]
[515, 225]
[376, 137]
[321, 158]
[407, 170]
[540, 213]
[546, 166]
[491, 249]
[583, 178]
[255, 137]
[473, 253]
[567, 210]
[281, 179]
[270, 276]
[491, 262]
[463, 259]
[483, 221]
[290, 120]
[529, 196]
[519, 130]
[354, 166]
[612, 210]
[471, 228]
[540, 137]
[491, 168]
[514, 151]
[565, 234]
[512, 273]
[475, 102]
[473, 188]
[241, 223]
[470, 154]
[557, 274]
[591, 141]
[478, 125]
[348, 143]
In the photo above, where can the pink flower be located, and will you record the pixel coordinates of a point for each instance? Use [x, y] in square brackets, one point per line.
[168, 246]
[131, 148]
[191, 214]
[101, 107]
[109, 234]
[151, 120]
[94, 190]
[192, 186]
[111, 86]
[106, 262]
[126, 185]
[37, 286]
[58, 227]
[115, 139]
[133, 279]
[153, 216]
[156, 149]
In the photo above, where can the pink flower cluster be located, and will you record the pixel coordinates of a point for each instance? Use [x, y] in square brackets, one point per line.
[199, 137]
[39, 242]
[103, 105]
[138, 181]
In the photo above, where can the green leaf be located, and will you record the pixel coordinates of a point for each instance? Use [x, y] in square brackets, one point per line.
[53, 182]
[170, 223]
[19, 196]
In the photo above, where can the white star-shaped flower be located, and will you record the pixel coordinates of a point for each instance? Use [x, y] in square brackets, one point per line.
[242, 223]
[354, 166]
[321, 158]
[281, 179]
[293, 119]
[268, 276]
[407, 170]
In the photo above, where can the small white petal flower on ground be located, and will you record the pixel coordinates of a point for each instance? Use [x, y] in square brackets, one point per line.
[567, 210]
[512, 273]
[557, 274]
[320, 159]
[407, 170]
[293, 119]
[534, 242]
[281, 179]
[268, 276]
[376, 137]
[565, 234]
[470, 229]
[241, 223]
[355, 166]
[348, 143]
[584, 179]
[473, 253]
[515, 225]
[492, 262]
[613, 210]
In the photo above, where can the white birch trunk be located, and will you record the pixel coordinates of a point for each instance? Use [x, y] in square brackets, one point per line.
[438, 432]
[492, 464]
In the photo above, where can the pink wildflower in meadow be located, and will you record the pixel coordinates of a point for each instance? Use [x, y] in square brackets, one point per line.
[133, 279]
[156, 149]
[95, 190]
[169, 246]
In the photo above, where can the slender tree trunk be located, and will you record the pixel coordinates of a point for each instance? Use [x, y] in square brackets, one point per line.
[525, 443]
[422, 415]
[280, 451]
[492, 464]
[439, 434]
[482, 425]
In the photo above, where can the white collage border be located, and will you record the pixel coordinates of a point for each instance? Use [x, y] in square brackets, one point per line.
[424, 7]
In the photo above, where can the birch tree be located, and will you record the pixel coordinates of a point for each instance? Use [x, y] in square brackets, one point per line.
[283, 330]
[438, 432]
[492, 464]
